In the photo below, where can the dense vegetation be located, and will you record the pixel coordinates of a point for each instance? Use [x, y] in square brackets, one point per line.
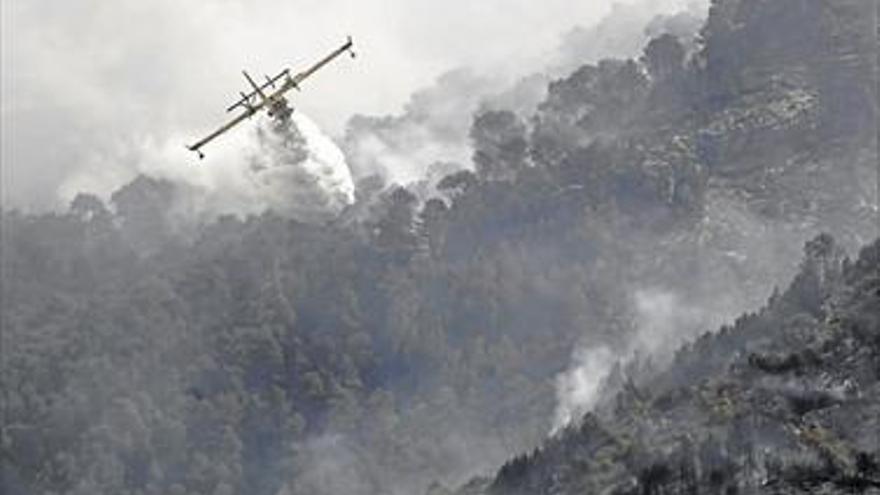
[406, 341]
[782, 401]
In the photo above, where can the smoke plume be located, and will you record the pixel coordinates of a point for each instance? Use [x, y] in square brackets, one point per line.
[578, 388]
[663, 321]
[291, 168]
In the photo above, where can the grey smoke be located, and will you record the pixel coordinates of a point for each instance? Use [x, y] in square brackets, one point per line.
[663, 320]
[433, 126]
[290, 168]
[85, 85]
[300, 172]
[625, 31]
[578, 388]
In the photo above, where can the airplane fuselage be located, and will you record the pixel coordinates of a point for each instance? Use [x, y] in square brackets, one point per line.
[275, 103]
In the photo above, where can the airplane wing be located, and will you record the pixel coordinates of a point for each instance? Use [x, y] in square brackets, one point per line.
[245, 100]
[302, 76]
[288, 83]
[225, 127]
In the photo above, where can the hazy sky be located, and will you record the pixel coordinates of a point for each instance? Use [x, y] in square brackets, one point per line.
[86, 83]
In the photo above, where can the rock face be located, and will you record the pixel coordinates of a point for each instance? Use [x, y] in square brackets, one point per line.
[786, 117]
[790, 109]
[767, 132]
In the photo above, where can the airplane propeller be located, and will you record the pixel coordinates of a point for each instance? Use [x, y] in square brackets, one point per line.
[274, 102]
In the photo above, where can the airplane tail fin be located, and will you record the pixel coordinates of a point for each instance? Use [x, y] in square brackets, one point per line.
[257, 89]
[350, 48]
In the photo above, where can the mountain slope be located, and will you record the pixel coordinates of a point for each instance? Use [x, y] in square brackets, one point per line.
[405, 342]
[785, 400]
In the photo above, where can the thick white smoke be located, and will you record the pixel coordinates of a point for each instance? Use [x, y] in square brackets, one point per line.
[433, 128]
[626, 29]
[297, 170]
[435, 123]
[663, 320]
[292, 169]
[577, 389]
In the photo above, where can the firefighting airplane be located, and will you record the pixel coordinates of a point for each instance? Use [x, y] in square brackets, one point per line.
[274, 102]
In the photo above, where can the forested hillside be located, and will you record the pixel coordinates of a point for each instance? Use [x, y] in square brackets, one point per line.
[784, 400]
[411, 340]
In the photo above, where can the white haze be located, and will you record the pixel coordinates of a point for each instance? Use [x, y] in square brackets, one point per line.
[95, 92]
[294, 170]
[433, 127]
[663, 321]
[577, 389]
[88, 86]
